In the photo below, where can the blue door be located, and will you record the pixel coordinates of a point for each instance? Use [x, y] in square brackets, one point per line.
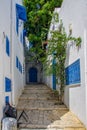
[33, 75]
[54, 76]
[54, 81]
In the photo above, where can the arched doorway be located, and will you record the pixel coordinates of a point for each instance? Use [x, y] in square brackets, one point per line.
[32, 75]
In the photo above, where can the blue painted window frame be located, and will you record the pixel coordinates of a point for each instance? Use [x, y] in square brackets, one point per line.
[73, 73]
[7, 46]
[7, 85]
[7, 99]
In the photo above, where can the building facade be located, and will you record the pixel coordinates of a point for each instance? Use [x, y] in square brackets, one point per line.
[74, 16]
[13, 15]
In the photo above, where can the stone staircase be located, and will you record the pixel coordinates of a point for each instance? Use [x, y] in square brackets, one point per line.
[44, 111]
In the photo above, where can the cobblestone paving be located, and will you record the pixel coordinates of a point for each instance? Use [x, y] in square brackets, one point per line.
[44, 111]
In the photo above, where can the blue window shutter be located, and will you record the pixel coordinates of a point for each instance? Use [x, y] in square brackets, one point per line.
[21, 11]
[17, 62]
[21, 68]
[17, 22]
[7, 46]
[24, 34]
[7, 85]
[73, 73]
[7, 99]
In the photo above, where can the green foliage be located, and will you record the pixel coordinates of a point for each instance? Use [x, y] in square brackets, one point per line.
[57, 51]
[39, 15]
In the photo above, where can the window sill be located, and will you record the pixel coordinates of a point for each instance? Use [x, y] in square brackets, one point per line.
[74, 85]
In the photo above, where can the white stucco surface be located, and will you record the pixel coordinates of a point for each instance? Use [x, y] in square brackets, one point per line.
[73, 12]
[8, 63]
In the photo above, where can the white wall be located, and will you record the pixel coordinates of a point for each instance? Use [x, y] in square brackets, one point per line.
[4, 58]
[74, 12]
[17, 50]
[8, 63]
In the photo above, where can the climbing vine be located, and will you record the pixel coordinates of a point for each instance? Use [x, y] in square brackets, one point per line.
[39, 15]
[56, 52]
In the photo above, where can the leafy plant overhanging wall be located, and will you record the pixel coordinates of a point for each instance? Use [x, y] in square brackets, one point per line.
[56, 50]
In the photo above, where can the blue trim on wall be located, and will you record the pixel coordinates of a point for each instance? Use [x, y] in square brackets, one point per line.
[7, 99]
[7, 46]
[54, 76]
[73, 73]
[7, 85]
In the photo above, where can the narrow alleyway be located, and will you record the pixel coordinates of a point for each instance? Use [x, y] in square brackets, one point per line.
[44, 111]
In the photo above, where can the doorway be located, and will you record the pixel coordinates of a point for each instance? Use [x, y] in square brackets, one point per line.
[33, 75]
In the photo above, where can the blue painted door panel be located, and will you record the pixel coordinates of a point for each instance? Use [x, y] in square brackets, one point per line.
[54, 75]
[33, 75]
[54, 82]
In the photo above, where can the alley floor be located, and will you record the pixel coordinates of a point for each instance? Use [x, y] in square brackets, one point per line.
[42, 111]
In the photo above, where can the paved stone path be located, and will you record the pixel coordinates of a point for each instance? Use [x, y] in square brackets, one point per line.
[44, 111]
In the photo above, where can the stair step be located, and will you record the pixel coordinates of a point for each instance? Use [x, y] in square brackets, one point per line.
[50, 127]
[39, 104]
[36, 98]
[55, 129]
[37, 91]
[33, 129]
[42, 109]
[37, 88]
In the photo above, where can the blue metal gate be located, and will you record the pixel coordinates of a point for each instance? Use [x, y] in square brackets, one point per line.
[33, 75]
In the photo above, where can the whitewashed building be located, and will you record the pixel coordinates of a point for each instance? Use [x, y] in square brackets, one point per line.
[12, 17]
[74, 16]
